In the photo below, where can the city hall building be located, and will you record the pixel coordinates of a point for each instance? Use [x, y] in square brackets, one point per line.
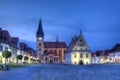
[49, 52]
[78, 51]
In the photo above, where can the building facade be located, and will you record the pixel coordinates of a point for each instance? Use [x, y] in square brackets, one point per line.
[114, 55]
[78, 51]
[49, 52]
[12, 44]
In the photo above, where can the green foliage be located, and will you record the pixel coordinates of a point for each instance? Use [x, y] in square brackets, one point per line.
[19, 57]
[6, 54]
[31, 59]
[81, 62]
[25, 58]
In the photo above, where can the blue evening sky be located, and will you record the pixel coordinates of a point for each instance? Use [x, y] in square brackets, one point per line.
[99, 20]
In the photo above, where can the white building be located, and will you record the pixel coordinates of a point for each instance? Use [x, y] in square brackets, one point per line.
[78, 51]
[114, 56]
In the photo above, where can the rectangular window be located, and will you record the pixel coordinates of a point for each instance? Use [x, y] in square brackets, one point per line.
[6, 48]
[81, 55]
[87, 55]
[75, 56]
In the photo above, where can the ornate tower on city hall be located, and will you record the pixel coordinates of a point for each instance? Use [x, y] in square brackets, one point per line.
[40, 41]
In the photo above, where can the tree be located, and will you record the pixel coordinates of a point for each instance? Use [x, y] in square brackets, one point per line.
[25, 58]
[6, 54]
[81, 62]
[19, 57]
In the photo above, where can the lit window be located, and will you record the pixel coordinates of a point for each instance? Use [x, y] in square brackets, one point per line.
[75, 56]
[87, 55]
[81, 55]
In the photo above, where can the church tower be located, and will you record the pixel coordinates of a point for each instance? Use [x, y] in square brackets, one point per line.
[40, 40]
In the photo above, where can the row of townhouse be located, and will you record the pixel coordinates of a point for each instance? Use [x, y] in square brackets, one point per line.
[13, 45]
[107, 56]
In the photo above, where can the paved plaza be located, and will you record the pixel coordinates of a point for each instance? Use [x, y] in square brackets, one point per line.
[63, 72]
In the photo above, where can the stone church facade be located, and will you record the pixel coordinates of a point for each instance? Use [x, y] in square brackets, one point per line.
[49, 52]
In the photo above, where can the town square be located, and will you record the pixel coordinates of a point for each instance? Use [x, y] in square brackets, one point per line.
[60, 40]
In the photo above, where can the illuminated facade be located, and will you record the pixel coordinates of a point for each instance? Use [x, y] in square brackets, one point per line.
[114, 55]
[13, 45]
[49, 52]
[78, 51]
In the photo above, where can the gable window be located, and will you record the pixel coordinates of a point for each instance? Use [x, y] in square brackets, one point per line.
[81, 55]
[81, 40]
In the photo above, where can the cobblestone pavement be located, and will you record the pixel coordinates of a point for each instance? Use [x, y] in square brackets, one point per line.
[23, 73]
[63, 72]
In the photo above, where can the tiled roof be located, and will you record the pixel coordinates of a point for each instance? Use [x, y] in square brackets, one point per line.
[116, 48]
[55, 45]
[106, 52]
[5, 36]
[102, 53]
[15, 39]
[72, 44]
[14, 42]
[23, 46]
[31, 51]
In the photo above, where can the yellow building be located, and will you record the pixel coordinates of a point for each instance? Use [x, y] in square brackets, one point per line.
[78, 51]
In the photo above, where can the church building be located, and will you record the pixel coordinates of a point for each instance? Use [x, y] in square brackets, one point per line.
[49, 52]
[78, 51]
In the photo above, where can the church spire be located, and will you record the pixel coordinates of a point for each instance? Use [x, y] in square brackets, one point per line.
[40, 32]
[57, 39]
[80, 31]
[57, 42]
